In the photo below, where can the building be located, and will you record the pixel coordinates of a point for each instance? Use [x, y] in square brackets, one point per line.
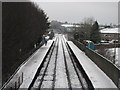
[110, 34]
[70, 27]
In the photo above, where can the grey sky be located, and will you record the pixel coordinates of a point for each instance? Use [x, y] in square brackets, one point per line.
[103, 12]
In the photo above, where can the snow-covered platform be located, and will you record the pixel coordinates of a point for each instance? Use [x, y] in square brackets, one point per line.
[30, 67]
[97, 77]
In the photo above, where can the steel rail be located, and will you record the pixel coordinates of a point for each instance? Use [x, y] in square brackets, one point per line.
[50, 54]
[78, 72]
[67, 72]
[54, 75]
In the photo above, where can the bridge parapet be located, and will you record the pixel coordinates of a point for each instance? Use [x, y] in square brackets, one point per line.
[103, 63]
[107, 46]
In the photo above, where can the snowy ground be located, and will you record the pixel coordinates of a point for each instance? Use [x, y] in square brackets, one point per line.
[98, 78]
[29, 68]
[115, 51]
[61, 77]
[56, 74]
[48, 77]
[112, 54]
[117, 55]
[75, 83]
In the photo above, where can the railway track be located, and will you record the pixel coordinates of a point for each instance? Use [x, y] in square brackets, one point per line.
[60, 69]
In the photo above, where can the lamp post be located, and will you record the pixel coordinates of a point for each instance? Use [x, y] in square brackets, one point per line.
[114, 49]
[118, 48]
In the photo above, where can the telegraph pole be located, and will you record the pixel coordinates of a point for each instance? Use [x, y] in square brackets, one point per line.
[114, 49]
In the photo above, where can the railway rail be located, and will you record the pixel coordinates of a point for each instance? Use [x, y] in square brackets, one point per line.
[60, 69]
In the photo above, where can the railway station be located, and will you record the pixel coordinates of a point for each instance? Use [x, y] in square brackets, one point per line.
[64, 45]
[60, 64]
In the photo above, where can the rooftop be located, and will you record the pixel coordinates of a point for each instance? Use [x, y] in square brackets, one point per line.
[110, 30]
[69, 25]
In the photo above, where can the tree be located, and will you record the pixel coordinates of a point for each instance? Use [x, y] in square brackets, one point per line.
[23, 23]
[95, 33]
[76, 35]
[85, 28]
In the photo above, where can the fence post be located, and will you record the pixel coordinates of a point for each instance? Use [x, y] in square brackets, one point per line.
[18, 82]
[119, 84]
[10, 88]
[22, 76]
[15, 86]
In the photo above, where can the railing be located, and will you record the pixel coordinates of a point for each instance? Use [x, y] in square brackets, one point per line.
[103, 63]
[15, 85]
[19, 81]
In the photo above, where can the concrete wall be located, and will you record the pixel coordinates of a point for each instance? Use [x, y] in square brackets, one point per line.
[103, 63]
[107, 46]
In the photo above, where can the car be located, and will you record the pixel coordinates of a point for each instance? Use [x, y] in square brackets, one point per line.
[89, 44]
[114, 41]
[88, 41]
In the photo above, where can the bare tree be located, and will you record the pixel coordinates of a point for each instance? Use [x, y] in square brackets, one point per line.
[85, 28]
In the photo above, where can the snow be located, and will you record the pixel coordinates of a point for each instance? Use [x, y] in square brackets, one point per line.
[69, 25]
[48, 78]
[117, 54]
[33, 66]
[98, 78]
[75, 83]
[110, 30]
[61, 77]
[29, 68]
[47, 37]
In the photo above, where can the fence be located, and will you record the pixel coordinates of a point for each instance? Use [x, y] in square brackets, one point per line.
[15, 85]
[19, 81]
[103, 63]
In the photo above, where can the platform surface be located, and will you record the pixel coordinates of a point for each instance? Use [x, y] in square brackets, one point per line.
[30, 67]
[97, 77]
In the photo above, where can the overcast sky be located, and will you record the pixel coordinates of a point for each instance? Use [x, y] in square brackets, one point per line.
[75, 12]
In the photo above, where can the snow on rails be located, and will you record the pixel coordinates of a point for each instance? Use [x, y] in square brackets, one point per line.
[61, 64]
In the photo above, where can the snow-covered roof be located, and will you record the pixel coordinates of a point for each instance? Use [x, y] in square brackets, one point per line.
[110, 30]
[69, 25]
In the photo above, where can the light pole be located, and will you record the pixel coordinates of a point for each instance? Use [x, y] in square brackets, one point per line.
[114, 49]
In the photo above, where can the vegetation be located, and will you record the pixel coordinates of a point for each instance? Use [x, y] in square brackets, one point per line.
[95, 34]
[56, 26]
[85, 28]
[23, 26]
[88, 30]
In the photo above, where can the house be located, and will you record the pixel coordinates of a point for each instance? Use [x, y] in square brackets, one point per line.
[110, 34]
[70, 27]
